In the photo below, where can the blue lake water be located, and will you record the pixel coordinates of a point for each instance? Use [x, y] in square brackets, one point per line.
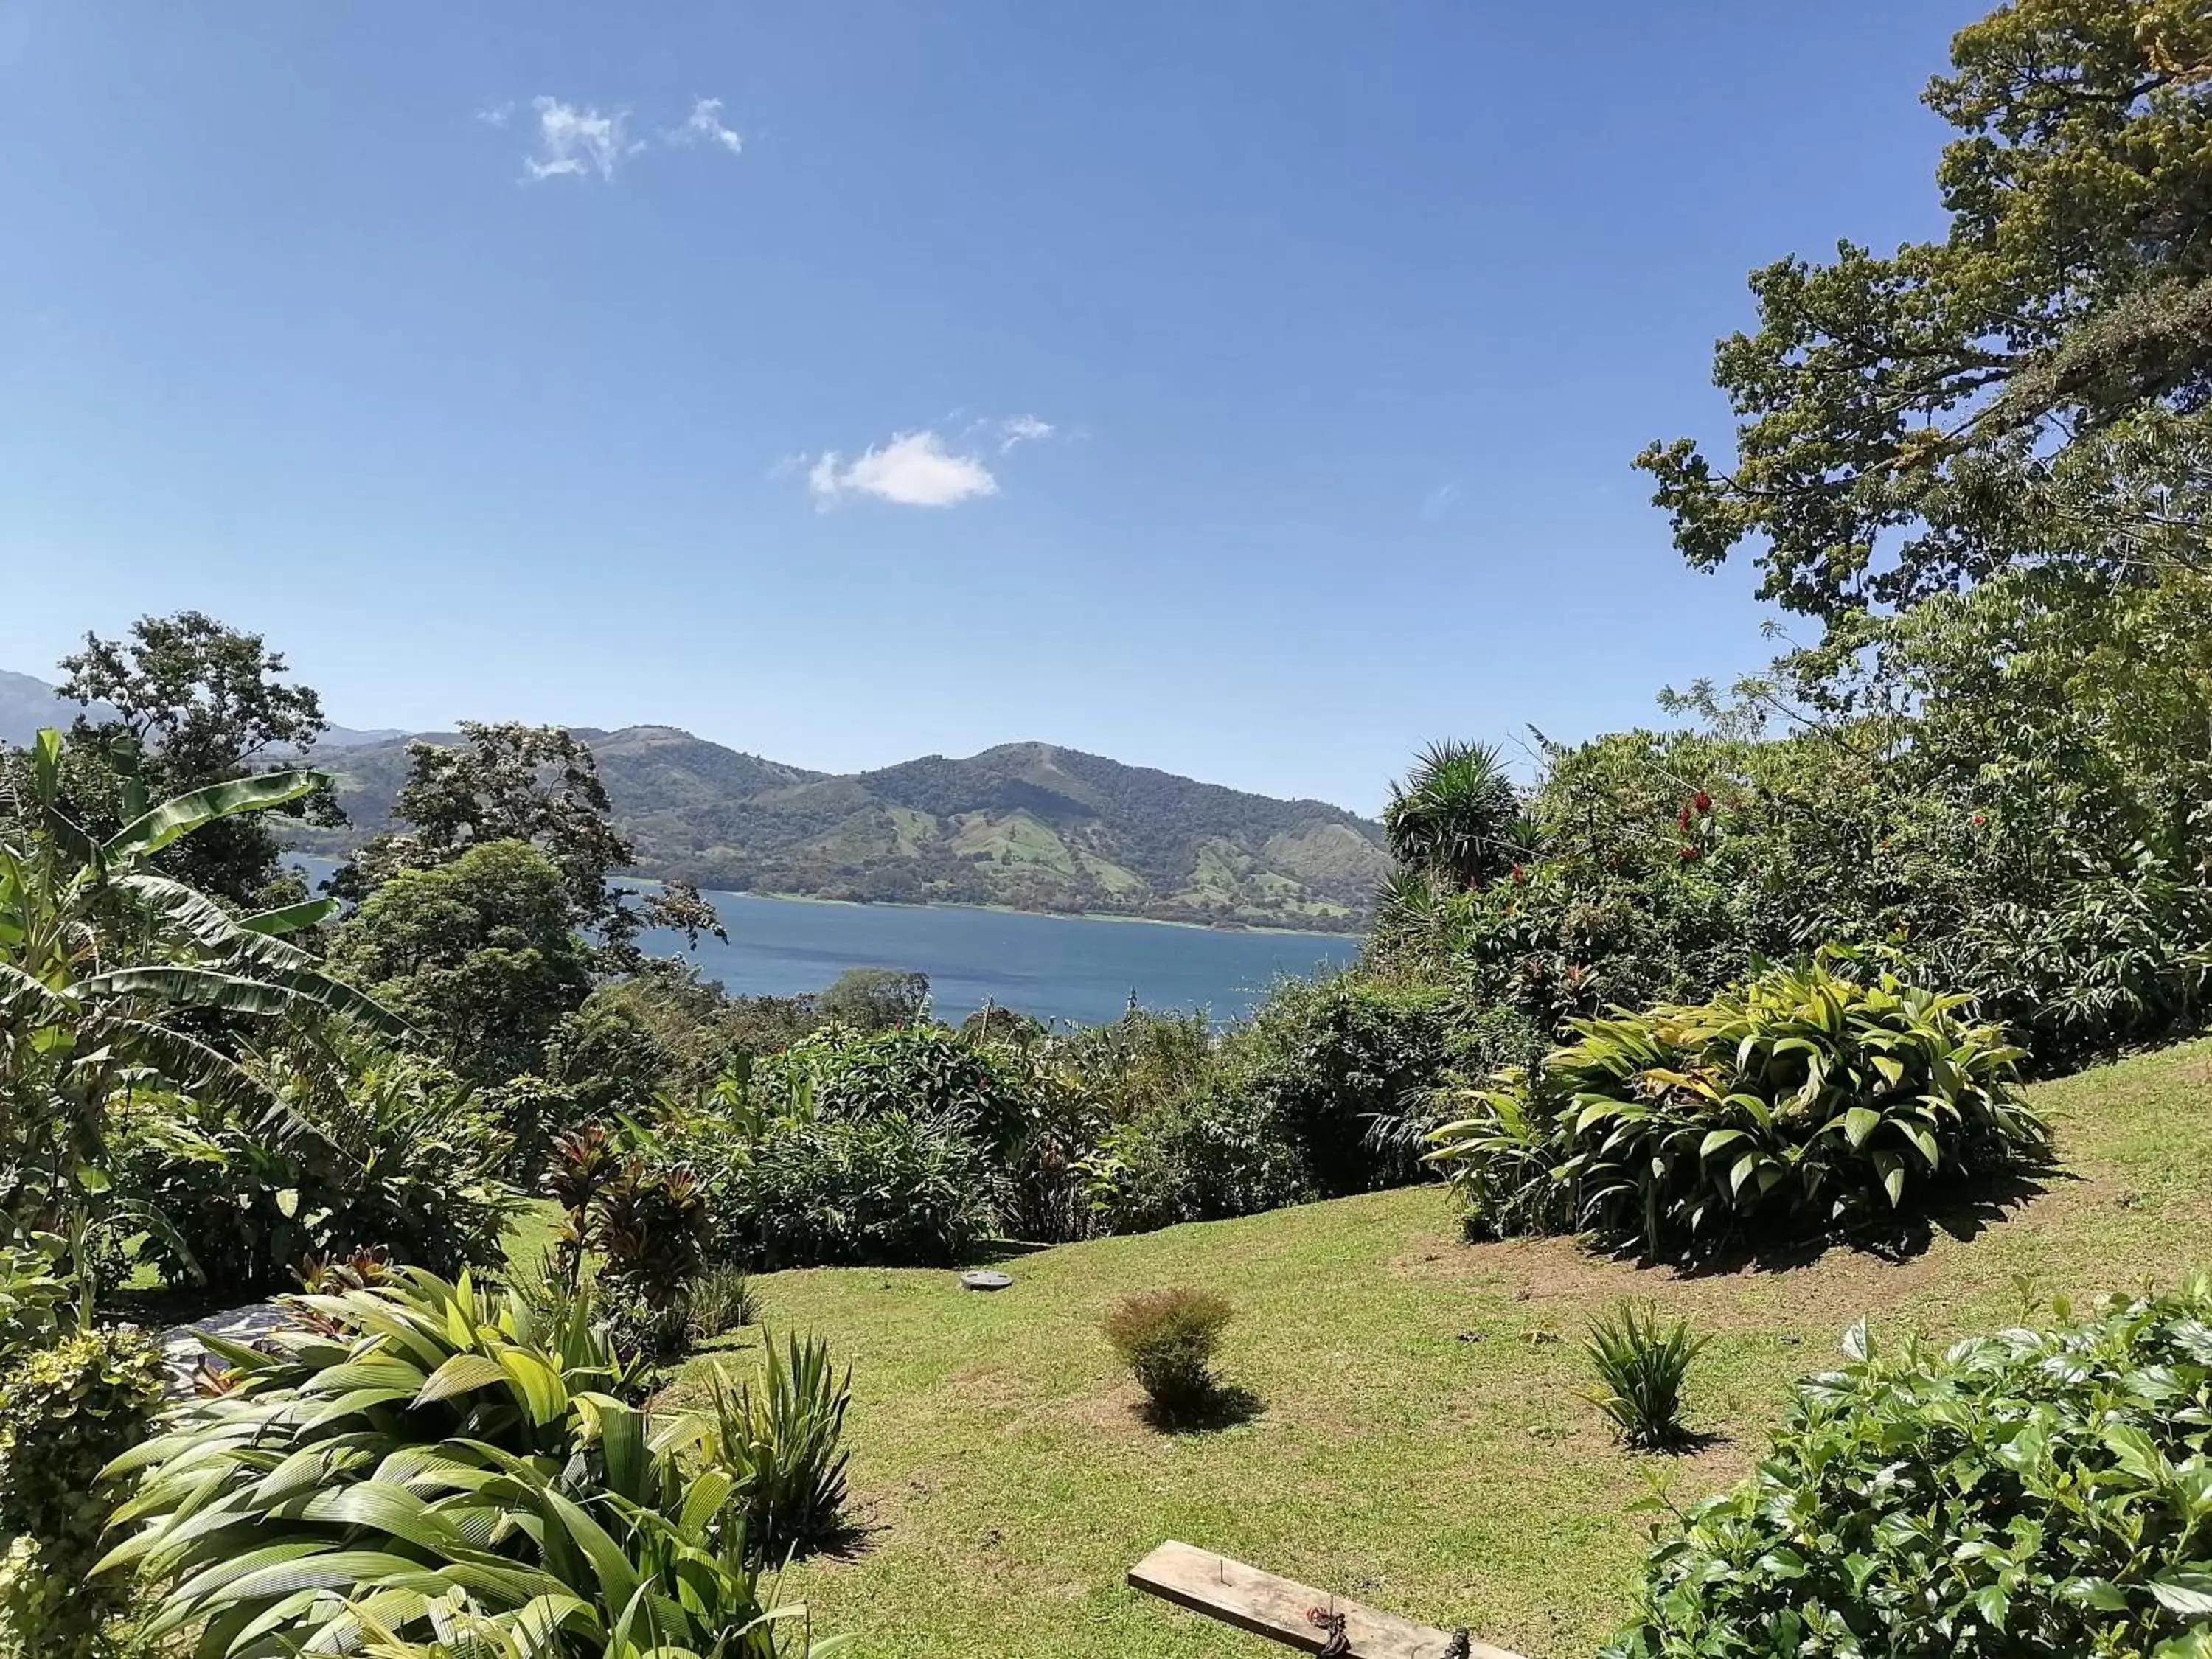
[1054, 967]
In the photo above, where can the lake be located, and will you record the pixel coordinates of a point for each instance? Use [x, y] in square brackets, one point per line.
[1054, 967]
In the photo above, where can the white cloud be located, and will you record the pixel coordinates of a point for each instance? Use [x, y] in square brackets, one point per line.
[574, 143]
[914, 469]
[1023, 430]
[496, 115]
[1440, 501]
[705, 126]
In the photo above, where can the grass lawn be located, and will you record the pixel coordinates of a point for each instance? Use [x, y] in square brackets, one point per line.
[1424, 1445]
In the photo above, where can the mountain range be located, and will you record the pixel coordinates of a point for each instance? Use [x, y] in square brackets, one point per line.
[1031, 826]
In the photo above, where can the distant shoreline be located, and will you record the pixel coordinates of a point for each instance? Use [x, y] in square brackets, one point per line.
[1049, 915]
[988, 910]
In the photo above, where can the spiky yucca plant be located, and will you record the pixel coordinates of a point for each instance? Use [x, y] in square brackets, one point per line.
[1641, 1368]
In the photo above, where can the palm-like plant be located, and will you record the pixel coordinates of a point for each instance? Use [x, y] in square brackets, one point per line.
[1454, 818]
[112, 978]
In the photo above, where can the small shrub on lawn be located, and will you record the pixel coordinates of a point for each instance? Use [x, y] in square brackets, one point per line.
[1168, 1339]
[65, 1413]
[1807, 1097]
[1641, 1369]
[780, 1438]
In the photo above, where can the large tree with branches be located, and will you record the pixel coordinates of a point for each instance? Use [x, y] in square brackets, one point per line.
[2034, 388]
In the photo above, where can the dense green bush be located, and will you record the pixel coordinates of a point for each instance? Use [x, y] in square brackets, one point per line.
[1328, 1059]
[876, 999]
[920, 1070]
[1210, 1152]
[1810, 1097]
[66, 1411]
[1168, 1339]
[896, 1189]
[2034, 1492]
[383, 1152]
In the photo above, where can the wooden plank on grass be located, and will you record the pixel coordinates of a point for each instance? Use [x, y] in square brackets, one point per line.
[1276, 1607]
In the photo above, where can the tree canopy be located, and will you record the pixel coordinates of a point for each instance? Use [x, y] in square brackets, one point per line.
[2033, 388]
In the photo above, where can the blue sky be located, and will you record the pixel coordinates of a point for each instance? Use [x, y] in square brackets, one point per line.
[1245, 389]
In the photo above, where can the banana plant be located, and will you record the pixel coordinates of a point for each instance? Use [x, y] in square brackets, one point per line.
[109, 975]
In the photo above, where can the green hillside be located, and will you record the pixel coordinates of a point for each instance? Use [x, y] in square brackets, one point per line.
[1423, 1444]
[1026, 826]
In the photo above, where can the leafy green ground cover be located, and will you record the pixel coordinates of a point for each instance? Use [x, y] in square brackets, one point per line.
[1423, 1444]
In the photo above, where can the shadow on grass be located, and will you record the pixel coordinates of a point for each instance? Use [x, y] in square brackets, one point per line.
[1224, 1406]
[1963, 1212]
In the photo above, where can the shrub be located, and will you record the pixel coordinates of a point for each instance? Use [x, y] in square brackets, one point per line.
[385, 1153]
[1326, 1059]
[899, 1189]
[1807, 1097]
[1210, 1153]
[876, 999]
[1168, 1339]
[919, 1070]
[1641, 1370]
[2037, 1492]
[65, 1413]
[780, 1438]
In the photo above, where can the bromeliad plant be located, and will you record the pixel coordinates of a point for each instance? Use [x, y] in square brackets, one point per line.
[1810, 1097]
[425, 1458]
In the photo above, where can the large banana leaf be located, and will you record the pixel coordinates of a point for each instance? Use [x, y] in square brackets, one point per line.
[180, 815]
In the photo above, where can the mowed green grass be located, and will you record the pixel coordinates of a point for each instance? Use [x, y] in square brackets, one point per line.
[1424, 1445]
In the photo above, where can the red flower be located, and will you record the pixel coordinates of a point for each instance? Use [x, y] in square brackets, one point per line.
[1519, 874]
[1702, 801]
[1685, 819]
[1689, 854]
[1980, 819]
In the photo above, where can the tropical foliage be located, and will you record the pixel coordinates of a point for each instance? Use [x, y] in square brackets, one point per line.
[1811, 1097]
[422, 1454]
[2034, 1491]
[110, 977]
[65, 1411]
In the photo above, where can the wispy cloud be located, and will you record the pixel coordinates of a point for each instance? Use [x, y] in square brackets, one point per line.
[1023, 430]
[1440, 501]
[704, 126]
[913, 469]
[575, 142]
[496, 115]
